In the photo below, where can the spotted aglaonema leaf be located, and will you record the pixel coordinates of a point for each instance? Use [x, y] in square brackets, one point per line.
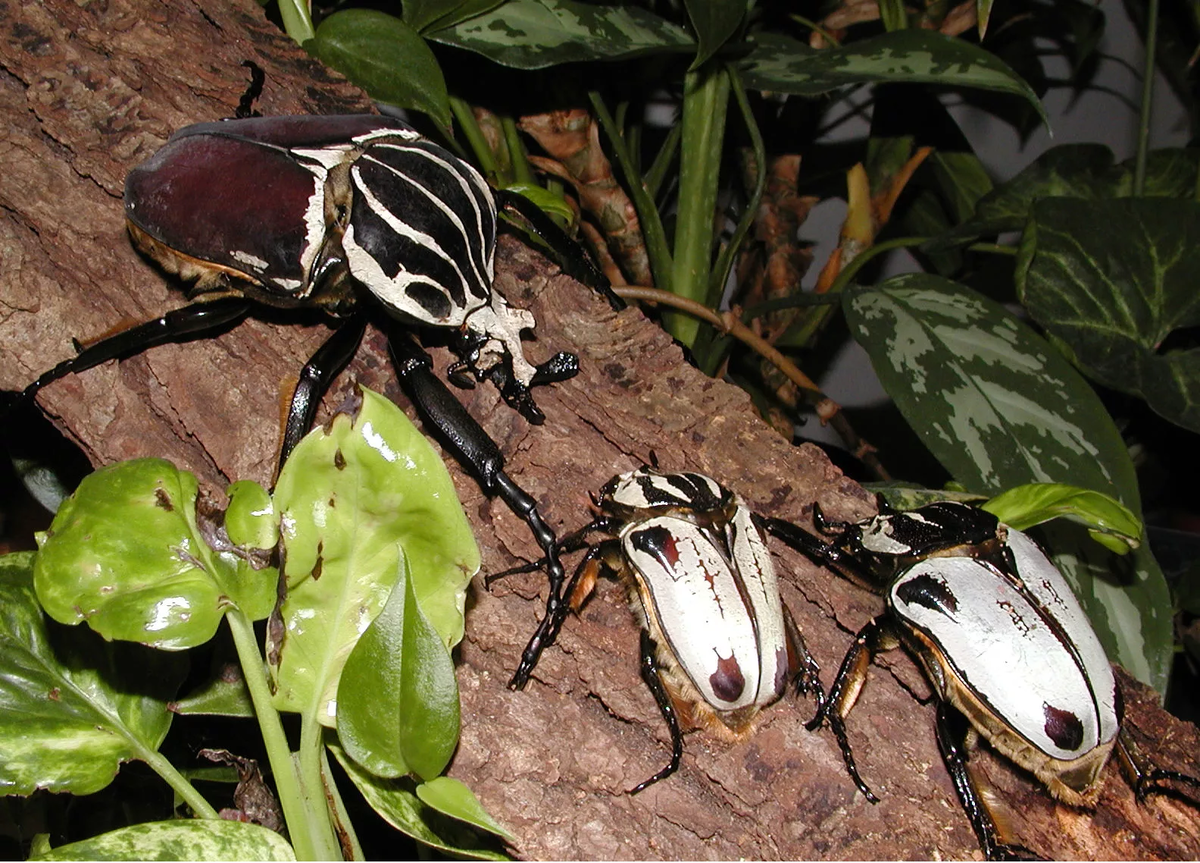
[999, 408]
[180, 839]
[73, 707]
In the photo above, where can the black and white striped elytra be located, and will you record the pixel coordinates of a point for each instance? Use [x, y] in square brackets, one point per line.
[1001, 637]
[718, 644]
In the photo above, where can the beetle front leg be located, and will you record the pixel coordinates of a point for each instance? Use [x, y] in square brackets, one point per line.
[174, 326]
[474, 449]
[802, 664]
[952, 732]
[318, 373]
[875, 636]
[815, 549]
[666, 707]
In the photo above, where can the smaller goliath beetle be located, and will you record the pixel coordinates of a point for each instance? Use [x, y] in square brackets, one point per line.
[717, 645]
[1009, 651]
[358, 216]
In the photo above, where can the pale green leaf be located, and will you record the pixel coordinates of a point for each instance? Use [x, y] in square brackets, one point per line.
[451, 797]
[206, 839]
[1028, 505]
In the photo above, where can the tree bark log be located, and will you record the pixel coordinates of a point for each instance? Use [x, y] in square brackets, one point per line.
[92, 89]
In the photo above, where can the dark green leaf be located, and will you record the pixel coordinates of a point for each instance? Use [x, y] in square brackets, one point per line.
[180, 840]
[72, 707]
[786, 65]
[398, 697]
[1116, 281]
[423, 15]
[715, 22]
[533, 34]
[387, 58]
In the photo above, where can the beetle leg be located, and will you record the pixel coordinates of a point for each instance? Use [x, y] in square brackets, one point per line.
[318, 373]
[474, 449]
[174, 326]
[807, 673]
[816, 549]
[875, 636]
[952, 731]
[245, 106]
[1142, 775]
[566, 252]
[665, 706]
[573, 542]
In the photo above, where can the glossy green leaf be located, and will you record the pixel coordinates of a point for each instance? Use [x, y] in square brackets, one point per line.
[424, 15]
[397, 701]
[1116, 281]
[786, 65]
[714, 22]
[1084, 171]
[353, 493]
[397, 803]
[224, 695]
[72, 707]
[451, 797]
[180, 840]
[250, 518]
[1028, 505]
[534, 34]
[1000, 408]
[387, 58]
[550, 203]
[125, 555]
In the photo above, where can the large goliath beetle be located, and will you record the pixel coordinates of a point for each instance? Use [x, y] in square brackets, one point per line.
[1009, 651]
[361, 217]
[717, 645]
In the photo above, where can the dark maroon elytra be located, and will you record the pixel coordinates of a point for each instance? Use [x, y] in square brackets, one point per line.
[1064, 728]
[727, 681]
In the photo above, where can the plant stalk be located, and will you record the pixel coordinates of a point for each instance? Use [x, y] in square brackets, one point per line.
[1148, 67]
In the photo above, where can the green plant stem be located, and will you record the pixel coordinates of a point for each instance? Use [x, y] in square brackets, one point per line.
[470, 129]
[652, 227]
[516, 152]
[186, 790]
[705, 99]
[1143, 145]
[309, 825]
[297, 20]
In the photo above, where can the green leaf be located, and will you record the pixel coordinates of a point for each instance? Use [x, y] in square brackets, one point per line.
[125, 555]
[353, 493]
[534, 34]
[548, 202]
[397, 803]
[398, 706]
[387, 58]
[224, 695]
[715, 22]
[1000, 408]
[72, 707]
[1031, 504]
[993, 402]
[786, 65]
[423, 15]
[179, 840]
[1084, 171]
[250, 518]
[451, 797]
[1116, 281]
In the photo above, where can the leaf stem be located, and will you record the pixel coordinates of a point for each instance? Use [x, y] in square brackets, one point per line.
[186, 790]
[470, 129]
[309, 825]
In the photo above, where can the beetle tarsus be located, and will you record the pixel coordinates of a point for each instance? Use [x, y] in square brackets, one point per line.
[245, 106]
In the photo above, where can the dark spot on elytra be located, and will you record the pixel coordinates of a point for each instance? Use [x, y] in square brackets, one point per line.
[1063, 727]
[928, 591]
[339, 460]
[659, 543]
[163, 500]
[727, 681]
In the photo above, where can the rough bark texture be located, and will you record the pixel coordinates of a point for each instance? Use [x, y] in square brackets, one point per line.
[89, 90]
